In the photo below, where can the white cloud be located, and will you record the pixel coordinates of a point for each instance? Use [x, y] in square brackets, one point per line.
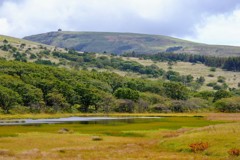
[167, 17]
[4, 26]
[219, 29]
[34, 16]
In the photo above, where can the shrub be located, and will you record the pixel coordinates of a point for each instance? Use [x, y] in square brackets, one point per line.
[221, 94]
[19, 110]
[193, 104]
[234, 152]
[221, 79]
[200, 80]
[33, 56]
[228, 104]
[213, 69]
[152, 98]
[125, 105]
[210, 75]
[199, 146]
[211, 84]
[205, 94]
[161, 108]
[5, 41]
[217, 87]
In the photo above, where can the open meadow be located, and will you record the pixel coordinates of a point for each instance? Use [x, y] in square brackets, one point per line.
[173, 136]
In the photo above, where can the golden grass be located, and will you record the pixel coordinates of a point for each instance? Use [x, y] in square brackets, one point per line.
[75, 146]
[224, 116]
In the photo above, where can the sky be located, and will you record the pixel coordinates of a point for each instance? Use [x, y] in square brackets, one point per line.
[205, 21]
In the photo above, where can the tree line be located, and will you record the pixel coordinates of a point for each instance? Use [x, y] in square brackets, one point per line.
[227, 63]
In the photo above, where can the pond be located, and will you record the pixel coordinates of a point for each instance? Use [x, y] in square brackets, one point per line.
[81, 120]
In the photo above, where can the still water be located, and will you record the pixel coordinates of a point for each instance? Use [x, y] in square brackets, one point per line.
[82, 120]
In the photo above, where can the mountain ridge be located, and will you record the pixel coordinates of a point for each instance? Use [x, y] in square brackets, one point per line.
[119, 43]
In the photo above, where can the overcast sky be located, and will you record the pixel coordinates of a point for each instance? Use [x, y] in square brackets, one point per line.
[206, 21]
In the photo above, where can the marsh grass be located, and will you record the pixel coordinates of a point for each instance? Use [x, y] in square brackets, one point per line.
[62, 115]
[234, 152]
[2, 135]
[222, 138]
[124, 134]
[199, 146]
[141, 139]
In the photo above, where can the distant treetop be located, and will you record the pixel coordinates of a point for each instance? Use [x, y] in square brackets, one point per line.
[59, 30]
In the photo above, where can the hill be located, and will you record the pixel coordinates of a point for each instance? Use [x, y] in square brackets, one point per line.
[27, 51]
[127, 42]
[78, 81]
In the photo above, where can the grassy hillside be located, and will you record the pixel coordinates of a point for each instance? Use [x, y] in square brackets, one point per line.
[127, 42]
[196, 70]
[27, 51]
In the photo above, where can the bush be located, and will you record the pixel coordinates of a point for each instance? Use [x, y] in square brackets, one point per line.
[211, 84]
[228, 104]
[221, 94]
[217, 87]
[142, 106]
[234, 152]
[210, 75]
[205, 94]
[19, 110]
[196, 104]
[199, 146]
[153, 98]
[125, 105]
[160, 108]
[190, 105]
[221, 79]
[213, 69]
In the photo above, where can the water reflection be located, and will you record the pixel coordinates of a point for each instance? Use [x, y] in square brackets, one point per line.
[79, 120]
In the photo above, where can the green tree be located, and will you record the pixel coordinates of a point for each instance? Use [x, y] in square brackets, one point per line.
[8, 98]
[221, 94]
[176, 90]
[126, 93]
[205, 94]
[88, 97]
[30, 94]
[57, 101]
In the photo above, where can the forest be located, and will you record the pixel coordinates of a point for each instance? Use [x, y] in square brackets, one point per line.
[29, 87]
[227, 63]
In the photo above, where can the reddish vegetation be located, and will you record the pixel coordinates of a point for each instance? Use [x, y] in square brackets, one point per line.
[199, 147]
[234, 152]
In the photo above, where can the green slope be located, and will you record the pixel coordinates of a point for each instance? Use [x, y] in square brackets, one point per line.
[128, 42]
